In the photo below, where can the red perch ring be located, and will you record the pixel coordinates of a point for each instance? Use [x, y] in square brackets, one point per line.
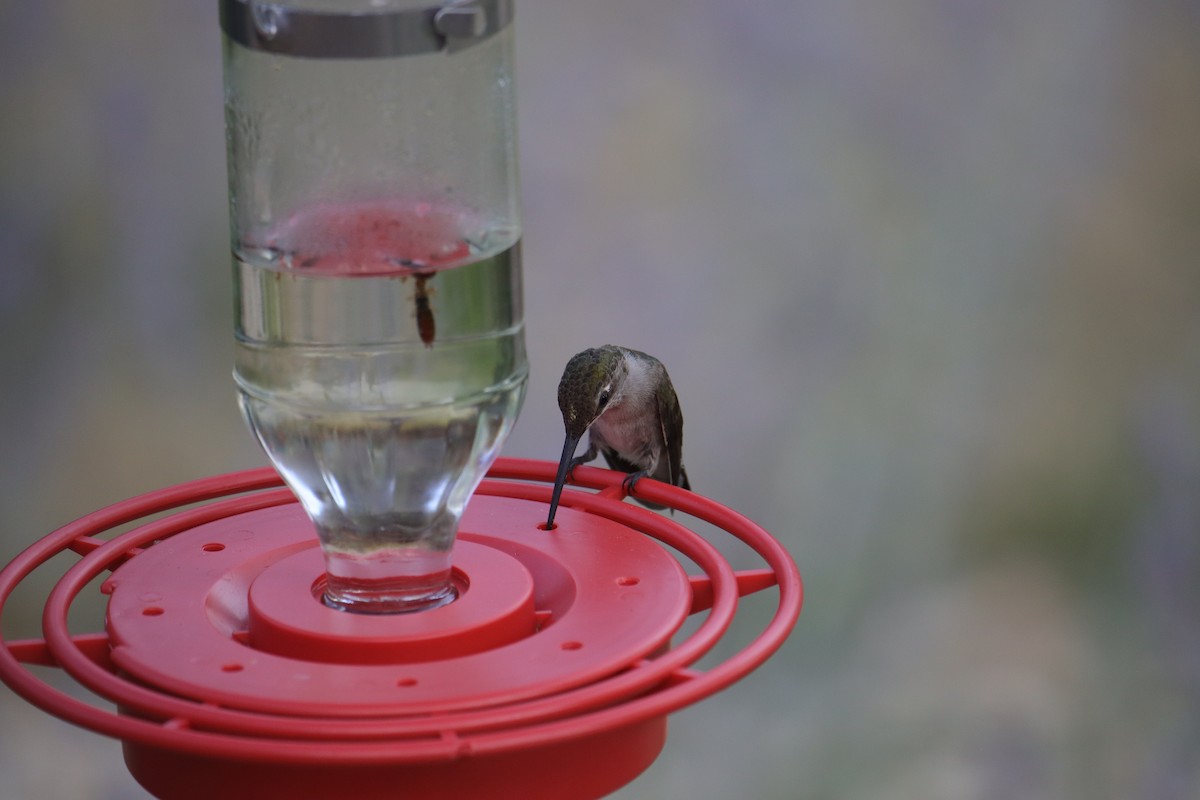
[550, 677]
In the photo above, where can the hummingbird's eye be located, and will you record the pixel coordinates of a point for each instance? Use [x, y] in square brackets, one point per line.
[602, 401]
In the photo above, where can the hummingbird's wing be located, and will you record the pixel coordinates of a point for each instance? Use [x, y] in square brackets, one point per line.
[670, 423]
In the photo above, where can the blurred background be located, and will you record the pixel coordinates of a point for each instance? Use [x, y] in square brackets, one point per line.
[925, 274]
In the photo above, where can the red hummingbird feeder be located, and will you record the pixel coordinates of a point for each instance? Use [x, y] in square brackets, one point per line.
[551, 676]
[385, 614]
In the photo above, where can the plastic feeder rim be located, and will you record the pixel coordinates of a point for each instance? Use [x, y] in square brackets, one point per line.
[550, 677]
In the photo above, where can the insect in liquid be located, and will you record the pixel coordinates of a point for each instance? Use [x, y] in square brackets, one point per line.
[426, 325]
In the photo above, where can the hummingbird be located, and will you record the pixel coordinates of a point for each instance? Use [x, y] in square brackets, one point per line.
[625, 400]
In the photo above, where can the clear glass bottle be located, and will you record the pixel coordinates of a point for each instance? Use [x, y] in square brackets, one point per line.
[375, 226]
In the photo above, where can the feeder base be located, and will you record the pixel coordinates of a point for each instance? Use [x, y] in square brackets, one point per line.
[549, 772]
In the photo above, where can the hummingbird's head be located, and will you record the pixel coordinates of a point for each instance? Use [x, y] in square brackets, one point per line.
[591, 383]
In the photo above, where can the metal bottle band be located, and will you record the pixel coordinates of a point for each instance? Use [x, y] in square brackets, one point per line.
[375, 33]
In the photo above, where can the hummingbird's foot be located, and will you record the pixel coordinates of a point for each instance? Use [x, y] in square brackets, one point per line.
[631, 480]
[575, 462]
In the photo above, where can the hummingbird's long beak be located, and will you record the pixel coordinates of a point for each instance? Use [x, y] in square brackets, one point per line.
[567, 453]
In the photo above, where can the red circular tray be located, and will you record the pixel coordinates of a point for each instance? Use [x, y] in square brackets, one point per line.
[550, 677]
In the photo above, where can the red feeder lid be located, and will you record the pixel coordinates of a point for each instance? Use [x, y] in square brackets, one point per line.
[549, 677]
